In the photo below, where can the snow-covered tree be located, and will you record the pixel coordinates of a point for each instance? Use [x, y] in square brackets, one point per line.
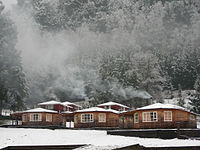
[152, 45]
[149, 75]
[181, 101]
[120, 68]
[13, 87]
[196, 101]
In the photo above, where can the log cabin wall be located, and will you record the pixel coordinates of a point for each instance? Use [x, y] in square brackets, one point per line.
[112, 120]
[57, 120]
[58, 107]
[180, 118]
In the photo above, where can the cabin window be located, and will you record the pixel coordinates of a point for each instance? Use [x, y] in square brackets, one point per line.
[167, 115]
[192, 117]
[122, 109]
[35, 117]
[24, 118]
[107, 107]
[85, 118]
[50, 107]
[49, 117]
[149, 117]
[136, 118]
[102, 117]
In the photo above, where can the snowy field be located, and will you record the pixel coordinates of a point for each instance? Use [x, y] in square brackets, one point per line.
[99, 140]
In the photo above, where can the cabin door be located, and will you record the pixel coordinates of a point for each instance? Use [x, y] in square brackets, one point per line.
[129, 122]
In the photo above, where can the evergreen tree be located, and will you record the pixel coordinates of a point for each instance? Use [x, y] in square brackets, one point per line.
[169, 27]
[12, 78]
[150, 77]
[181, 101]
[196, 101]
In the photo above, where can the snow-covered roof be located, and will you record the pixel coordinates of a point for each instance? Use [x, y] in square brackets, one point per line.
[97, 109]
[39, 110]
[161, 106]
[111, 104]
[67, 112]
[50, 103]
[66, 103]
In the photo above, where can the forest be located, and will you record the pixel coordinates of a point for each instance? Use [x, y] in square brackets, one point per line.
[99, 50]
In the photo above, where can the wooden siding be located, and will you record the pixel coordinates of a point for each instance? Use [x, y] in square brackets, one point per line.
[58, 107]
[180, 118]
[56, 120]
[112, 120]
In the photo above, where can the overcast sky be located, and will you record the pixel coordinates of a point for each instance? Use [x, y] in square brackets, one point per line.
[8, 3]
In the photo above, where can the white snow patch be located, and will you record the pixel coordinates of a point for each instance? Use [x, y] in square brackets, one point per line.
[66, 103]
[99, 140]
[40, 110]
[112, 104]
[198, 124]
[162, 106]
[98, 109]
[50, 103]
[67, 112]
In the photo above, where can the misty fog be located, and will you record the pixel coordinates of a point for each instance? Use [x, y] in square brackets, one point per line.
[106, 50]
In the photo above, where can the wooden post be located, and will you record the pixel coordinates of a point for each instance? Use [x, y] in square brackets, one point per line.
[178, 129]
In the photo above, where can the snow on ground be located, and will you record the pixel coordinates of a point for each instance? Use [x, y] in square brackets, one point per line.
[198, 124]
[99, 140]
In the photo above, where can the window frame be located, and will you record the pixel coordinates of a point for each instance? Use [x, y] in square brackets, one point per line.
[136, 120]
[100, 117]
[167, 120]
[192, 117]
[155, 116]
[90, 118]
[49, 118]
[49, 107]
[33, 117]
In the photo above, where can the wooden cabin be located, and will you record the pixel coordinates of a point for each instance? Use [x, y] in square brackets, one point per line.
[51, 113]
[41, 117]
[114, 106]
[96, 117]
[66, 109]
[158, 116]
